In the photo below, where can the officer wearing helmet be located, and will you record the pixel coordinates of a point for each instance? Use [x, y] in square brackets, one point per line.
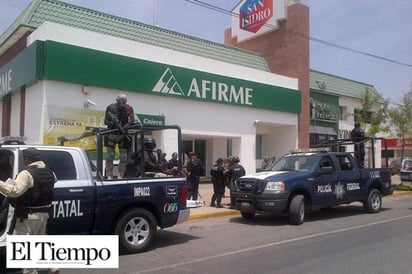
[118, 117]
[151, 162]
[236, 171]
[218, 180]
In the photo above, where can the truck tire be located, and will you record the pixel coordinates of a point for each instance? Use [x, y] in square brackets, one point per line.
[247, 215]
[297, 210]
[136, 229]
[374, 202]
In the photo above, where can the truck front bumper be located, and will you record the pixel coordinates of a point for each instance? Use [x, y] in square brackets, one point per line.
[265, 202]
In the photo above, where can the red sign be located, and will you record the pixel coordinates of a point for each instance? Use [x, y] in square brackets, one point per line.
[254, 14]
[398, 142]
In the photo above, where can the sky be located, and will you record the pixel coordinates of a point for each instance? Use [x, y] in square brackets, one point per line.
[369, 41]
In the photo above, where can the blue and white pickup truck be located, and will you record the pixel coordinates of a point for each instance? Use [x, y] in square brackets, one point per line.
[308, 180]
[87, 203]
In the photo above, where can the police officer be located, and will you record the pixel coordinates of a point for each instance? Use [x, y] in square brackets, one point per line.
[118, 116]
[151, 162]
[357, 135]
[236, 171]
[33, 190]
[194, 170]
[218, 181]
[173, 165]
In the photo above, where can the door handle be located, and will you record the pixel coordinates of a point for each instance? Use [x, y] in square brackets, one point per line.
[76, 190]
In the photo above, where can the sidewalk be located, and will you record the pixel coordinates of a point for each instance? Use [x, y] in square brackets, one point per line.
[206, 211]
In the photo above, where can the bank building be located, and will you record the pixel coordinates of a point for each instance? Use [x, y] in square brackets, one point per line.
[253, 96]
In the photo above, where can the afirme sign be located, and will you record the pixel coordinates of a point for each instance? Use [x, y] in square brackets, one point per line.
[67, 63]
[257, 17]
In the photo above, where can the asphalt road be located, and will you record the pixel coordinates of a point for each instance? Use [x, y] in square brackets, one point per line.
[337, 240]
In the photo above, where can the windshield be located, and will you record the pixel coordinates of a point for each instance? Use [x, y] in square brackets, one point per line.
[407, 165]
[298, 162]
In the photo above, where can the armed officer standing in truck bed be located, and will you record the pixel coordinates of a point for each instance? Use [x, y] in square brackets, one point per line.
[357, 135]
[118, 116]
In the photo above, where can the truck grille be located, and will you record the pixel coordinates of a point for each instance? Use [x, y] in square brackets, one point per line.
[250, 186]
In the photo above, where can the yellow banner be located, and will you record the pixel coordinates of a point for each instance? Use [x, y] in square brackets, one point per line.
[70, 124]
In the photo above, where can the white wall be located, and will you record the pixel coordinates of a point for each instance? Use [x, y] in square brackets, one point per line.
[15, 114]
[92, 40]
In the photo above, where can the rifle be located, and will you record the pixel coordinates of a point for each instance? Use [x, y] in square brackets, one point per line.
[118, 124]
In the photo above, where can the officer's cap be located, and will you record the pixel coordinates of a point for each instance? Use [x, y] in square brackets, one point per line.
[31, 153]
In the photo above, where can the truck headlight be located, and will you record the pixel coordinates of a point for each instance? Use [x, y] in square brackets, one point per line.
[275, 186]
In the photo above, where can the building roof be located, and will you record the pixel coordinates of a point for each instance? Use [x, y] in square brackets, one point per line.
[340, 86]
[63, 13]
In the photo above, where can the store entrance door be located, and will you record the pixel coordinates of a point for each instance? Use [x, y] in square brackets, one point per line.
[198, 146]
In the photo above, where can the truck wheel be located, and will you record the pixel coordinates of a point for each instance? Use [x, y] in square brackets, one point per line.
[247, 215]
[374, 202]
[297, 210]
[136, 229]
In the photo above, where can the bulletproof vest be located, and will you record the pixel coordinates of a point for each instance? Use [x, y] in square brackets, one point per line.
[121, 112]
[237, 171]
[196, 168]
[152, 159]
[217, 173]
[41, 194]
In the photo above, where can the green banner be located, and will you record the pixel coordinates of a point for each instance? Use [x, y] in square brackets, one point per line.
[61, 62]
[24, 69]
[152, 120]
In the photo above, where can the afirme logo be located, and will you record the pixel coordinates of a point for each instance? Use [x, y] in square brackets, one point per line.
[62, 251]
[204, 89]
[254, 14]
[168, 84]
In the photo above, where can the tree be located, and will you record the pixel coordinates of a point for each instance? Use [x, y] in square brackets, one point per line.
[377, 119]
[400, 118]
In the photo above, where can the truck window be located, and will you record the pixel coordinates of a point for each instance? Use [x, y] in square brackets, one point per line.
[326, 162]
[61, 162]
[344, 162]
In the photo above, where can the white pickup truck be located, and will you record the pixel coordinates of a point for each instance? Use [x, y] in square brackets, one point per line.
[85, 202]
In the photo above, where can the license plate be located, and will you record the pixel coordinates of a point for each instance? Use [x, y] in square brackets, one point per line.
[245, 204]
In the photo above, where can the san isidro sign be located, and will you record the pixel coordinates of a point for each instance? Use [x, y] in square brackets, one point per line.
[254, 14]
[257, 17]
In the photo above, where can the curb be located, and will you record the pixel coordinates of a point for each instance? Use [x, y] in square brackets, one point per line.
[227, 212]
[400, 193]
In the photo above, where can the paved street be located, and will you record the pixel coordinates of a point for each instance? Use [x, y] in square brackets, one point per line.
[206, 192]
[337, 240]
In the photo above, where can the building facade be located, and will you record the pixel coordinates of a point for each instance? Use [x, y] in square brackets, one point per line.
[255, 96]
[333, 102]
[59, 74]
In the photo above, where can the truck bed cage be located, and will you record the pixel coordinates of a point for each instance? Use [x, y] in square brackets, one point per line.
[336, 144]
[136, 131]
